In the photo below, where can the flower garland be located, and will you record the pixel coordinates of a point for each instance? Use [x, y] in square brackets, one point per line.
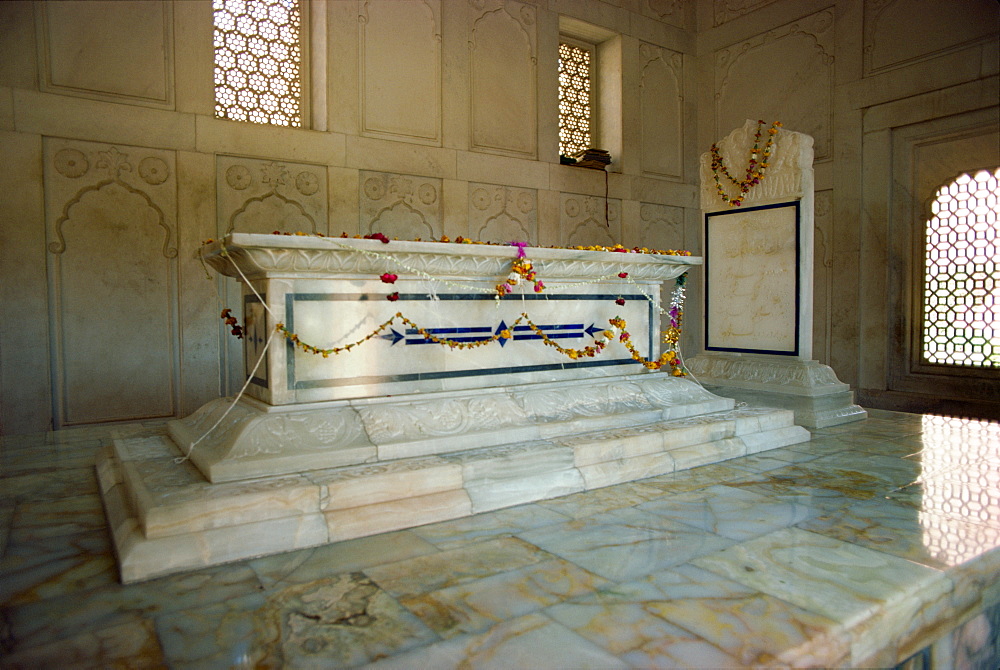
[755, 170]
[521, 269]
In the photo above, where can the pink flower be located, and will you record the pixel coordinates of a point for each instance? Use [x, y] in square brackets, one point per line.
[389, 278]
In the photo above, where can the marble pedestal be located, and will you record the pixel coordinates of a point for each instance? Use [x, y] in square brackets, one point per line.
[808, 388]
[404, 431]
[167, 517]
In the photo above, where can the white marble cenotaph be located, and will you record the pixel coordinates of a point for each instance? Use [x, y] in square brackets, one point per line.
[759, 284]
[398, 429]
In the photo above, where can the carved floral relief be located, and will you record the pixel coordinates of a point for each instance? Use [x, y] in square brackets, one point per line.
[400, 206]
[261, 196]
[502, 213]
[590, 220]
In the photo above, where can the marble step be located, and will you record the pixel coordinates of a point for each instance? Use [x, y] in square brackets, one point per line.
[166, 517]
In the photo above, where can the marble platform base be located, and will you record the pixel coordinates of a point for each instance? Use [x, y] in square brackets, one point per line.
[808, 388]
[167, 517]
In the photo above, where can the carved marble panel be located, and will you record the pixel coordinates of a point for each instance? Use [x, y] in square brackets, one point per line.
[801, 96]
[503, 68]
[661, 226]
[400, 206]
[727, 10]
[261, 196]
[112, 50]
[898, 32]
[401, 68]
[586, 220]
[502, 213]
[661, 95]
[111, 220]
[668, 11]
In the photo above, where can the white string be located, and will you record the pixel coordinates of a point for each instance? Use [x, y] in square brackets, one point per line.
[235, 400]
[253, 372]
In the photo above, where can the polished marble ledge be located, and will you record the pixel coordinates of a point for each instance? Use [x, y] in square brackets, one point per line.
[872, 545]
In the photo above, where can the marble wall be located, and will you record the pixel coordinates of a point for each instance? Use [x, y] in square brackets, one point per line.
[430, 118]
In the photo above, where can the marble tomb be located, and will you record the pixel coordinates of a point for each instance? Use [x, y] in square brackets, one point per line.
[401, 431]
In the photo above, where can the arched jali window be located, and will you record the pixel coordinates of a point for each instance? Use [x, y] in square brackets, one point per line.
[961, 283]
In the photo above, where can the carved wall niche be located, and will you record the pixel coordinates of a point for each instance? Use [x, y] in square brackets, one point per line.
[111, 222]
[661, 92]
[727, 10]
[401, 69]
[120, 51]
[400, 206]
[261, 196]
[800, 97]
[587, 220]
[900, 32]
[661, 226]
[503, 66]
[503, 213]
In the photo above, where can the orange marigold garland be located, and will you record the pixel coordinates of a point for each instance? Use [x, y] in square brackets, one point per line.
[755, 170]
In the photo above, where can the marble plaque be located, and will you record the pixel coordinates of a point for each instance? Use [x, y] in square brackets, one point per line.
[752, 279]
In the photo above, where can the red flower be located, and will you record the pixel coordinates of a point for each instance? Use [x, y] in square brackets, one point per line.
[378, 236]
[389, 278]
[620, 301]
[623, 275]
[393, 297]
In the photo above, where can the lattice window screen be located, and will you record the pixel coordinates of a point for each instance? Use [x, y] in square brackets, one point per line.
[961, 287]
[258, 55]
[574, 99]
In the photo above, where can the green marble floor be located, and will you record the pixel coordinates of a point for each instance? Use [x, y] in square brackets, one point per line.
[860, 548]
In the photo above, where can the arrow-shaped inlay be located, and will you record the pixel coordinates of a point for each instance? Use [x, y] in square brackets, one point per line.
[393, 336]
[554, 331]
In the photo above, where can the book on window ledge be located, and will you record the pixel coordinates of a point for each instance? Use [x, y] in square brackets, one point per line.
[592, 158]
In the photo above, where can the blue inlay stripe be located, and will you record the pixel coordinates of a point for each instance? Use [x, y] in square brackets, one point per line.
[568, 326]
[436, 331]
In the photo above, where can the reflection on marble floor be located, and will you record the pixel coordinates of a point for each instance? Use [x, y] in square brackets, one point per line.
[861, 547]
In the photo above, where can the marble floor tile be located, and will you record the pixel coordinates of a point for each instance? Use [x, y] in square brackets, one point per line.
[529, 641]
[867, 592]
[127, 645]
[770, 460]
[307, 565]
[433, 572]
[50, 484]
[730, 512]
[457, 532]
[63, 516]
[917, 535]
[596, 501]
[477, 605]
[689, 617]
[639, 637]
[339, 621]
[625, 544]
[695, 478]
[965, 501]
[61, 616]
[53, 566]
[864, 545]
